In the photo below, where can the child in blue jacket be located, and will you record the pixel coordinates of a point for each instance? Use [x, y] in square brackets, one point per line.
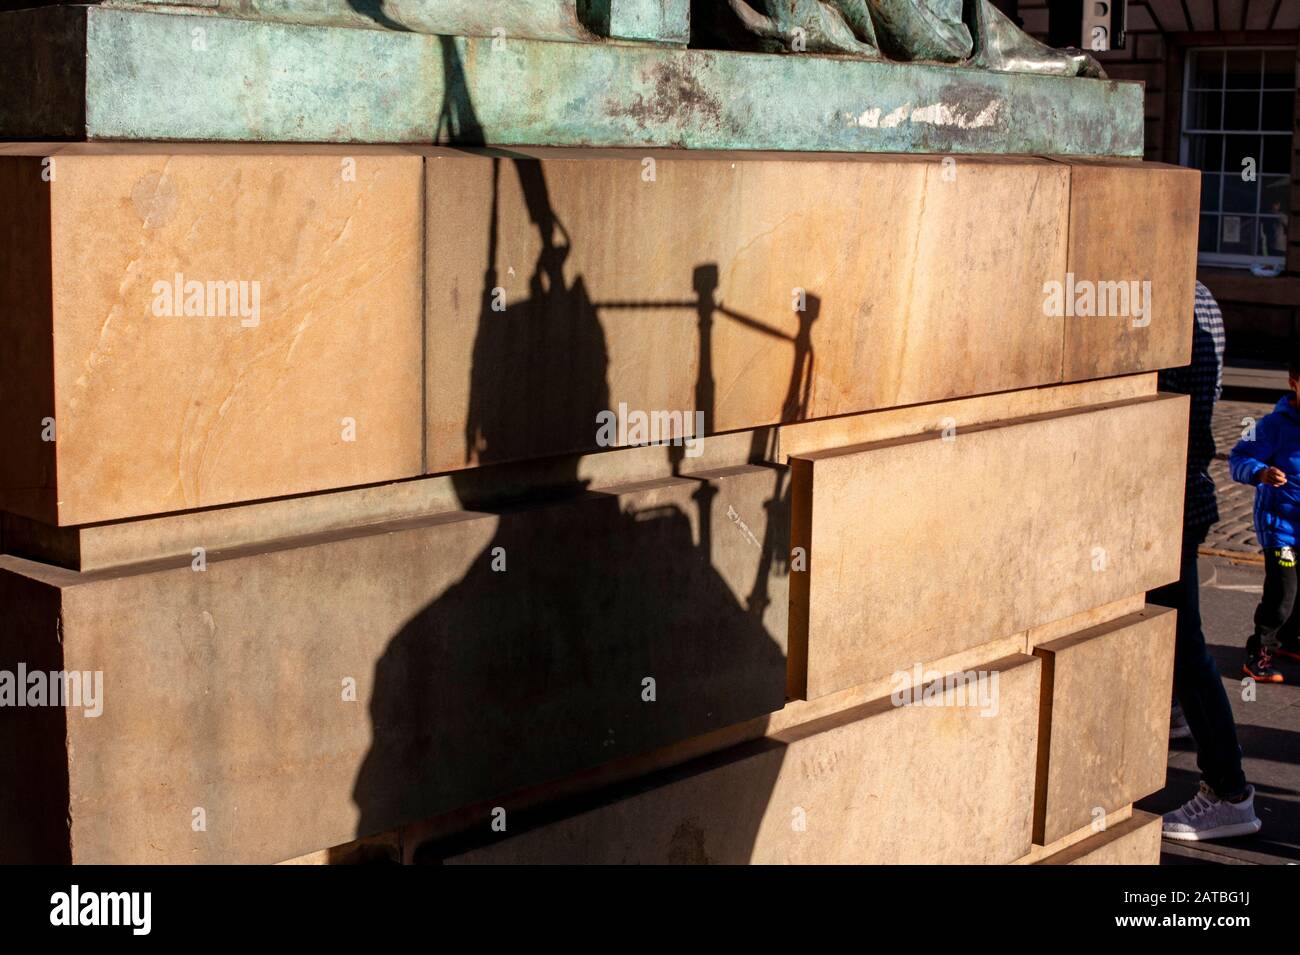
[1270, 460]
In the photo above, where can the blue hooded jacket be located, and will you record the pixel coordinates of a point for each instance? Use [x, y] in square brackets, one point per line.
[1276, 444]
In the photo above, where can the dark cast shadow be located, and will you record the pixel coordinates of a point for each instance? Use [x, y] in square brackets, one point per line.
[374, 10]
[512, 678]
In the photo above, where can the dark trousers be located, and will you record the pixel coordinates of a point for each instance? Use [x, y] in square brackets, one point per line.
[1196, 679]
[1273, 616]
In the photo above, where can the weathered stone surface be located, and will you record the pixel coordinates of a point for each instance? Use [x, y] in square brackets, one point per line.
[593, 318]
[877, 783]
[1092, 617]
[315, 337]
[794, 714]
[1131, 222]
[145, 80]
[1043, 517]
[383, 848]
[1037, 853]
[1134, 841]
[829, 433]
[540, 315]
[1104, 727]
[224, 688]
[100, 546]
[143, 540]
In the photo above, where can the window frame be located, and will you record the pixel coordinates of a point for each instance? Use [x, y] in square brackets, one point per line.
[1232, 259]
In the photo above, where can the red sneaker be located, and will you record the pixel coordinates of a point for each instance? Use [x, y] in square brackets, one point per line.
[1259, 667]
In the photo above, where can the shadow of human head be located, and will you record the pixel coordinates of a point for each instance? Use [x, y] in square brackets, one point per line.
[539, 365]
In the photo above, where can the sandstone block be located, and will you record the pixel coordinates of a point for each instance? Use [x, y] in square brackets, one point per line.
[560, 285]
[100, 546]
[957, 415]
[1130, 223]
[1135, 841]
[187, 329]
[877, 783]
[919, 547]
[1104, 731]
[261, 523]
[346, 683]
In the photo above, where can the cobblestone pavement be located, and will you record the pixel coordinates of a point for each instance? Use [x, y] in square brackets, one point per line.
[1235, 532]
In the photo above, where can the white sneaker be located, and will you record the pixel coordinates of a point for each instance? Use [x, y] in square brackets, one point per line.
[1206, 816]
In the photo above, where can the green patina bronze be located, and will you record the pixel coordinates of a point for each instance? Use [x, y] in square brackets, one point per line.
[165, 76]
[971, 33]
[585, 21]
[660, 21]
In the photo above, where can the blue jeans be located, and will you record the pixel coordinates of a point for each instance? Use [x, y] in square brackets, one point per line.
[1196, 679]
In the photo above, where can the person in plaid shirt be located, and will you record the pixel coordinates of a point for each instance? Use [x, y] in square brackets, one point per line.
[1225, 803]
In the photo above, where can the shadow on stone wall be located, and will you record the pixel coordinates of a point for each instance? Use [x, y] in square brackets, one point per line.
[511, 678]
